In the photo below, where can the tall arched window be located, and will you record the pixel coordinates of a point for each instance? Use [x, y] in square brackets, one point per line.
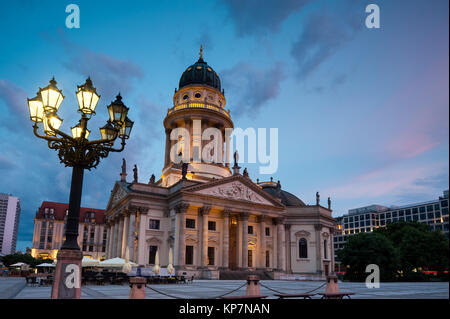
[303, 248]
[325, 256]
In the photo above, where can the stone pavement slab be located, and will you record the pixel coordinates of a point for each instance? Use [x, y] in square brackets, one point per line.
[200, 289]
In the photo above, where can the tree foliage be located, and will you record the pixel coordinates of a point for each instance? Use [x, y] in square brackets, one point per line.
[401, 250]
[11, 259]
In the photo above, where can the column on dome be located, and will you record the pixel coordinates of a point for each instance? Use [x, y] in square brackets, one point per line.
[168, 145]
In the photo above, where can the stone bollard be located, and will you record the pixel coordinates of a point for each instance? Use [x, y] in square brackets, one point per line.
[253, 287]
[332, 284]
[137, 285]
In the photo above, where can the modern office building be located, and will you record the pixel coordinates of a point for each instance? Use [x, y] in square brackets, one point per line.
[9, 223]
[365, 219]
[50, 223]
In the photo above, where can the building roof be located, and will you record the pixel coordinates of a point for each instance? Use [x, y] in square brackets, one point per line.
[200, 73]
[60, 212]
[287, 198]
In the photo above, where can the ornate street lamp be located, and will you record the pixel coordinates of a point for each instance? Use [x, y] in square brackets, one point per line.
[79, 153]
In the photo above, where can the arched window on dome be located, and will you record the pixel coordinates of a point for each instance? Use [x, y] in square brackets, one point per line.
[303, 248]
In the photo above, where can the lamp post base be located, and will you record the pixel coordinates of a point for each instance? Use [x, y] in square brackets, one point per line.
[67, 278]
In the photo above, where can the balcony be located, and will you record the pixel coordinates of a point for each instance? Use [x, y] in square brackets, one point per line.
[199, 106]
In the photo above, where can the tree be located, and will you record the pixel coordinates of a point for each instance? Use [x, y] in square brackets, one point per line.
[24, 258]
[419, 247]
[369, 248]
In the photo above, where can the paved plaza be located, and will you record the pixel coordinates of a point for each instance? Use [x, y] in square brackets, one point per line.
[15, 288]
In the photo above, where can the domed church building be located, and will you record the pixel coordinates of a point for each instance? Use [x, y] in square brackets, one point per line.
[206, 218]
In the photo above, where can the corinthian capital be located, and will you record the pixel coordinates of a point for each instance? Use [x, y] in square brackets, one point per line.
[181, 208]
[204, 210]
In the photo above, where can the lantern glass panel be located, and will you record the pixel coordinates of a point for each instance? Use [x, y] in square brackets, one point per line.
[36, 109]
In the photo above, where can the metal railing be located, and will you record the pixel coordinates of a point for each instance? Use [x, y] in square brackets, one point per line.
[195, 105]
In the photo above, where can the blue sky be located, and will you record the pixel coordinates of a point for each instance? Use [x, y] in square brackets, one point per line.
[362, 113]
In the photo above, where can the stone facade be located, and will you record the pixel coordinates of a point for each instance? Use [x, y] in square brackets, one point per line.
[213, 219]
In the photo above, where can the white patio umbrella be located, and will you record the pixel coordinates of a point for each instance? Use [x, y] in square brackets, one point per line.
[170, 269]
[114, 263]
[46, 265]
[18, 264]
[156, 267]
[89, 262]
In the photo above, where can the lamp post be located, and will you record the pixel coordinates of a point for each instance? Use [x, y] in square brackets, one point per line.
[79, 153]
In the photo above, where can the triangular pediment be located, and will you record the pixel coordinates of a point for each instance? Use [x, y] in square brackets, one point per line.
[235, 188]
[119, 191]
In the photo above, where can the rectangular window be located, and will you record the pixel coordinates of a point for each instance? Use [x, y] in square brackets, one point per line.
[429, 208]
[394, 214]
[388, 215]
[415, 217]
[250, 229]
[211, 225]
[423, 216]
[267, 231]
[415, 210]
[422, 209]
[408, 218]
[357, 218]
[152, 254]
[250, 258]
[408, 212]
[190, 223]
[211, 256]
[267, 258]
[444, 203]
[436, 206]
[189, 255]
[430, 215]
[367, 216]
[401, 213]
[437, 214]
[154, 223]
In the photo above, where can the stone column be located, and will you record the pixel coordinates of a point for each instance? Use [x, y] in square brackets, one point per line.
[125, 236]
[181, 210]
[262, 242]
[287, 229]
[108, 240]
[141, 245]
[119, 237]
[318, 228]
[274, 244]
[131, 236]
[332, 266]
[244, 218]
[168, 144]
[226, 238]
[204, 212]
[280, 252]
[114, 240]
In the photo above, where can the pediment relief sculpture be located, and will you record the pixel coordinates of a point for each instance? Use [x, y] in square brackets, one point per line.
[235, 190]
